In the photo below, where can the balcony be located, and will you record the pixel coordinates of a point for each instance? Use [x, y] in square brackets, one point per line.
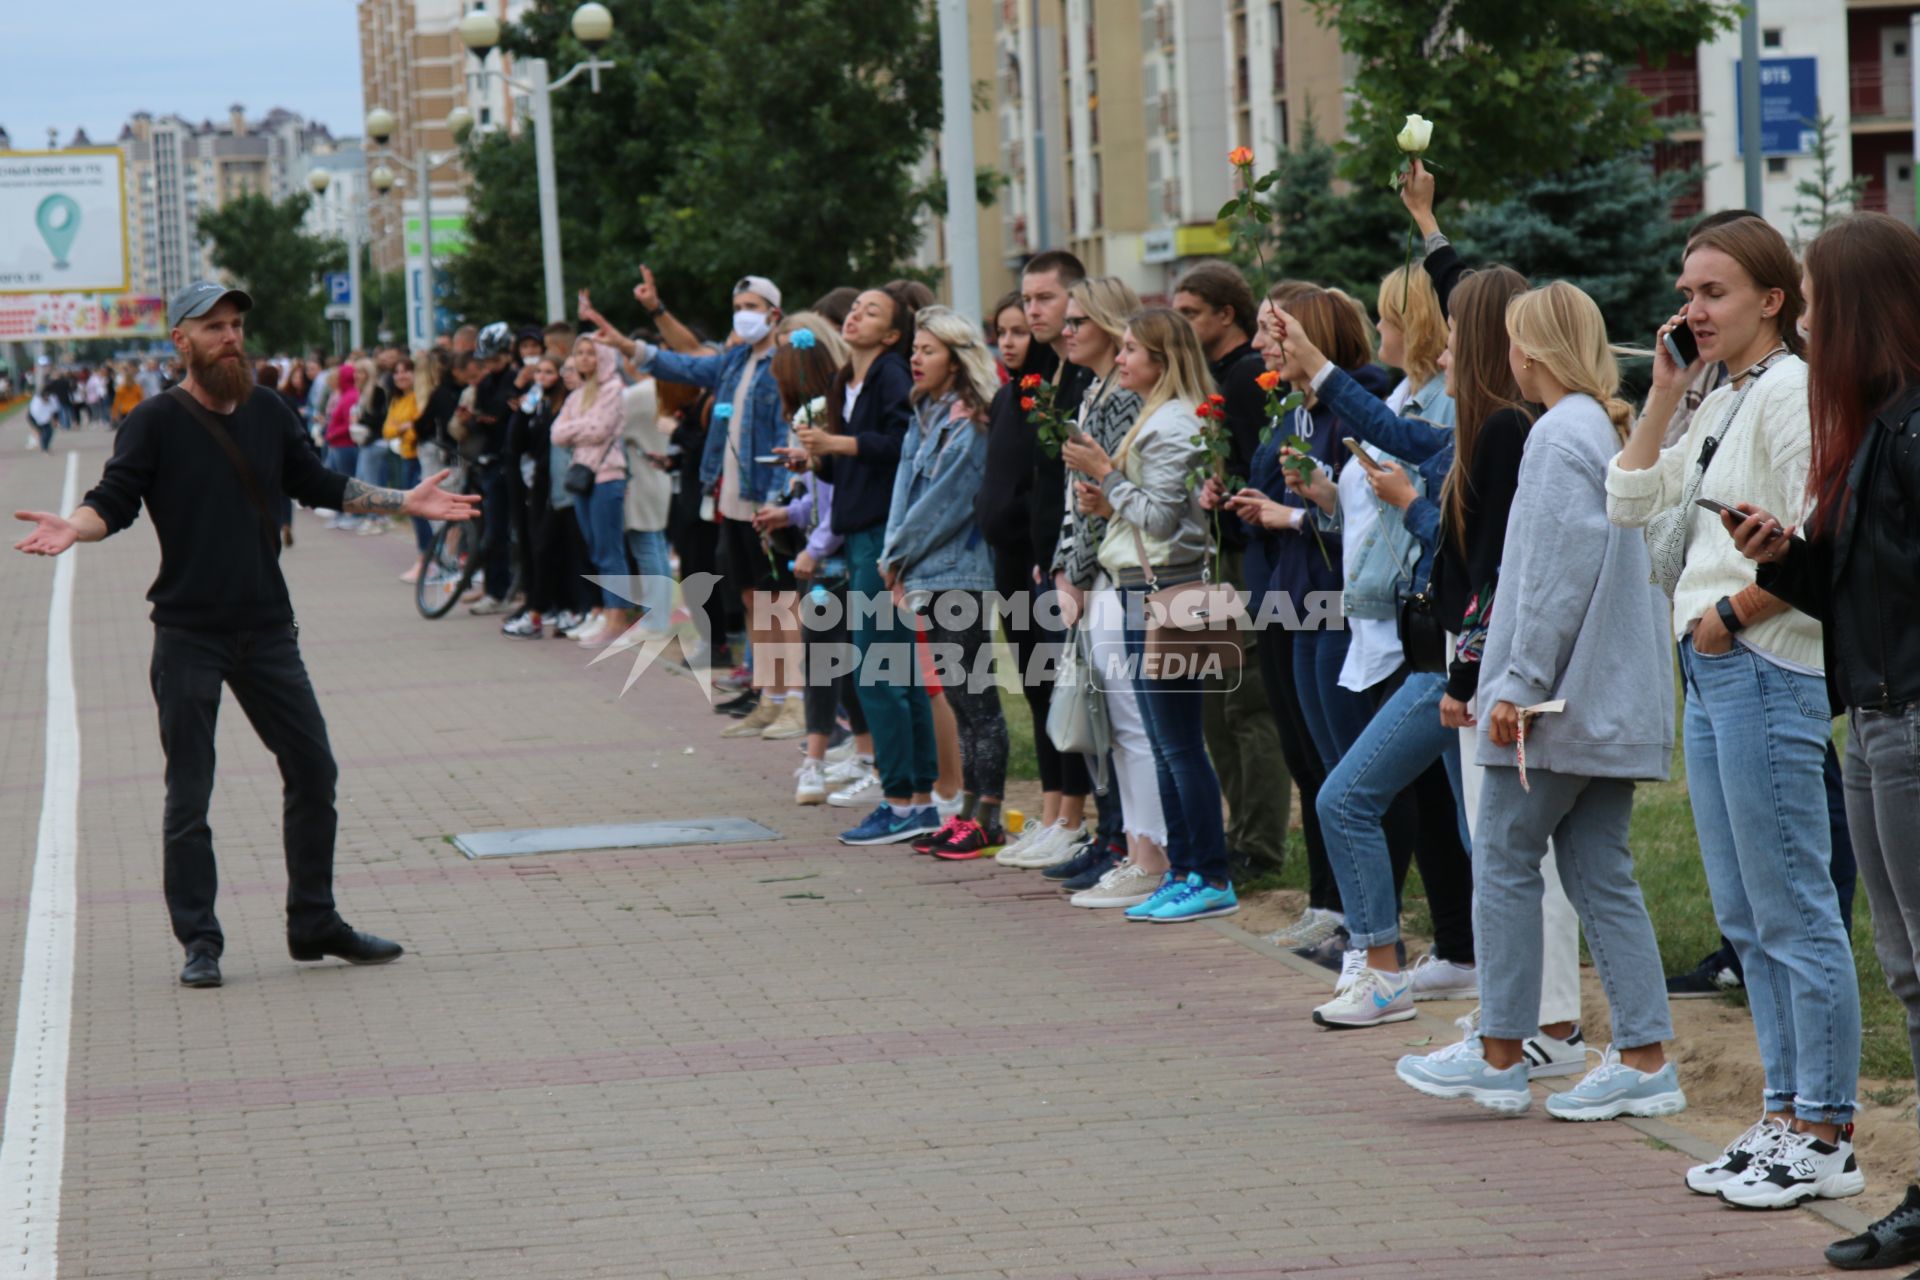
[1874, 94]
[1670, 91]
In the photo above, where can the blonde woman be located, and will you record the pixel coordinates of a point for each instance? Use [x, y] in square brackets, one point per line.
[1157, 532]
[1579, 636]
[591, 423]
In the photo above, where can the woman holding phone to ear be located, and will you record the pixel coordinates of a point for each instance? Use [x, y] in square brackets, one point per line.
[1757, 713]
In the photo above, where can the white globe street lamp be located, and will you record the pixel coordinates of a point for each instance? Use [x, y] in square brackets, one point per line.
[380, 125]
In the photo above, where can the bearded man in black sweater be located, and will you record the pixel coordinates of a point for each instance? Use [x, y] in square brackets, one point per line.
[206, 458]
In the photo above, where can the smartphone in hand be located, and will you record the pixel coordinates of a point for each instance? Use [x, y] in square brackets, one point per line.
[1722, 509]
[1682, 345]
[1360, 455]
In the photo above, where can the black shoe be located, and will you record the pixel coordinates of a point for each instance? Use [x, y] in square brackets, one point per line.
[1088, 854]
[1332, 953]
[1108, 860]
[1891, 1242]
[1713, 976]
[349, 944]
[202, 969]
[736, 706]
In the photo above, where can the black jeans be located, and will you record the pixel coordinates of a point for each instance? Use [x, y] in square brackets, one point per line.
[270, 682]
[496, 553]
[1303, 763]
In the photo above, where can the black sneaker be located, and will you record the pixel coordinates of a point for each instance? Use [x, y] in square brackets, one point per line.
[1088, 854]
[1332, 953]
[1109, 859]
[1891, 1242]
[1713, 976]
[741, 707]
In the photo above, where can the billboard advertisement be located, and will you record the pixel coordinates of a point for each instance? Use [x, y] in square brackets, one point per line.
[63, 221]
[30, 317]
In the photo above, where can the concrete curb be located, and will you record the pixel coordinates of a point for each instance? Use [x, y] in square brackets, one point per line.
[1850, 1221]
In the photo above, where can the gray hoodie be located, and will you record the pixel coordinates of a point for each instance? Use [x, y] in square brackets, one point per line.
[1577, 618]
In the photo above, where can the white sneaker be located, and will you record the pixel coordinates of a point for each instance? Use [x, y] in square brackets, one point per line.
[1124, 886]
[841, 753]
[864, 796]
[1548, 1056]
[850, 772]
[1373, 1000]
[1030, 835]
[1315, 926]
[1799, 1167]
[947, 806]
[1352, 965]
[1437, 979]
[1045, 845]
[810, 786]
[1750, 1148]
[1062, 847]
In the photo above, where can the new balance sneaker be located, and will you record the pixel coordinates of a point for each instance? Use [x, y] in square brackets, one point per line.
[1374, 999]
[1125, 886]
[1353, 963]
[1754, 1145]
[1437, 979]
[1461, 1070]
[1614, 1089]
[1713, 976]
[1800, 1167]
[1170, 886]
[1201, 901]
[810, 784]
[969, 840]
[1110, 857]
[1893, 1241]
[884, 826]
[1315, 926]
[1548, 1056]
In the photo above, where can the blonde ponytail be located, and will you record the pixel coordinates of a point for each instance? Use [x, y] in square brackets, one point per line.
[1561, 327]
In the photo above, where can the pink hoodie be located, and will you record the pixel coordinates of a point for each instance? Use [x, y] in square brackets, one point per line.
[589, 428]
[341, 419]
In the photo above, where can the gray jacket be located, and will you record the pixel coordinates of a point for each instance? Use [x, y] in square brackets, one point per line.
[1149, 493]
[1577, 618]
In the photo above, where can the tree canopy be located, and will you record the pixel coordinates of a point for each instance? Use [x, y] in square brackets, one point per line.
[265, 247]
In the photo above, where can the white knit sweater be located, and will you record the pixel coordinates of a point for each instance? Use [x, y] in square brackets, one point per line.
[1763, 459]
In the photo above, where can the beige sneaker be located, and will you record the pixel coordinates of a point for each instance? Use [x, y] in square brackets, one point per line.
[1125, 886]
[750, 725]
[790, 723]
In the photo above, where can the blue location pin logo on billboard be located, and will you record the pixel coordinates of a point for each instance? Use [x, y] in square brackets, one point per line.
[58, 218]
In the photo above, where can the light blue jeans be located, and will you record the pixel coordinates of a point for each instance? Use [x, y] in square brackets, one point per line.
[1756, 743]
[647, 548]
[1400, 743]
[602, 514]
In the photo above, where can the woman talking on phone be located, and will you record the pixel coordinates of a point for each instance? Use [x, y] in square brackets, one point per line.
[1757, 715]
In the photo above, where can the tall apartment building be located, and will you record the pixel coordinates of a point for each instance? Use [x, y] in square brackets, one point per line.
[341, 208]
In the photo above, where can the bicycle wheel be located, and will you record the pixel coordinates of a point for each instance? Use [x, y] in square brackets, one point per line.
[451, 562]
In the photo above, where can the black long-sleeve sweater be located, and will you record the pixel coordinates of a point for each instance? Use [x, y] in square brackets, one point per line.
[219, 567]
[1006, 487]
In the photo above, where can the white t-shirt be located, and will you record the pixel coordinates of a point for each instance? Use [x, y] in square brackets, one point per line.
[1374, 652]
[733, 505]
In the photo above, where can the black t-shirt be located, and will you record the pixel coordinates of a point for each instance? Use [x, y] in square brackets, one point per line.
[219, 568]
[1049, 503]
[1246, 406]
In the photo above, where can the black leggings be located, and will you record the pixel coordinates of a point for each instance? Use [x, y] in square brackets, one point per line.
[830, 647]
[1038, 653]
[962, 655]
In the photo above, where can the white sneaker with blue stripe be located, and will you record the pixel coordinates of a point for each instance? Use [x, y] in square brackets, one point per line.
[1374, 999]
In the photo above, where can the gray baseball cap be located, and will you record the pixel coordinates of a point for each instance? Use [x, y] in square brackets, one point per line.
[201, 297]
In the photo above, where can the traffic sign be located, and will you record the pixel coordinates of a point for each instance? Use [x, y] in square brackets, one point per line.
[339, 288]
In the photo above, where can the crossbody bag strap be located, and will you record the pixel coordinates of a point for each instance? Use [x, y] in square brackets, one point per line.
[1140, 549]
[1699, 476]
[224, 438]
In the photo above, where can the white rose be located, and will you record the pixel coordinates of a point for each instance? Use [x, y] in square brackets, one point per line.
[1415, 134]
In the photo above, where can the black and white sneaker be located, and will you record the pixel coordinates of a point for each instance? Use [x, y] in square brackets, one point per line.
[1893, 1241]
[1713, 976]
[1800, 1167]
[1756, 1143]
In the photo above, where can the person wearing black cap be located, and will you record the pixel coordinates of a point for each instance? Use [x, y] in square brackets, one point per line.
[203, 458]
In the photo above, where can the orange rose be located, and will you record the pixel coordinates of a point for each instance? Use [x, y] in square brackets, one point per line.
[1026, 403]
[1268, 380]
[1029, 382]
[1240, 157]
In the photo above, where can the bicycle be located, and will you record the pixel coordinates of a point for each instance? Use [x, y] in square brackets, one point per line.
[455, 555]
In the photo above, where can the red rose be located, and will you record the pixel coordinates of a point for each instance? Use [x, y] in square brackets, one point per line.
[1029, 382]
[1026, 402]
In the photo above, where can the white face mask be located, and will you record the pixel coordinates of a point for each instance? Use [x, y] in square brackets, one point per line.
[751, 326]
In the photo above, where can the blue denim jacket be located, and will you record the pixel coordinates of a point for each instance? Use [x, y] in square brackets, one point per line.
[766, 424]
[1424, 437]
[1388, 561]
[932, 535]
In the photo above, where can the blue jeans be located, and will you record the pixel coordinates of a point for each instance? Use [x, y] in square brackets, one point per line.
[1756, 743]
[1403, 740]
[1335, 716]
[602, 515]
[647, 548]
[1189, 788]
[344, 458]
[372, 467]
[899, 713]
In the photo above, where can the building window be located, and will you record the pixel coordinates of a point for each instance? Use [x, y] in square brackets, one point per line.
[1776, 166]
[1770, 37]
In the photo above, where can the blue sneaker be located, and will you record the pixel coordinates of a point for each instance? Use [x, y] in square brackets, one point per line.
[1461, 1071]
[884, 826]
[1169, 888]
[1197, 901]
[1616, 1089]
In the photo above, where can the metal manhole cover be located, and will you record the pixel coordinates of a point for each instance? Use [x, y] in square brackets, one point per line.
[616, 835]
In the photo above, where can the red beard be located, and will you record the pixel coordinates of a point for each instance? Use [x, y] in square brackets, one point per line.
[224, 377]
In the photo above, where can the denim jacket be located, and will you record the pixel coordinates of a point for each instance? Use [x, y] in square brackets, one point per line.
[1387, 561]
[933, 538]
[1424, 437]
[766, 425]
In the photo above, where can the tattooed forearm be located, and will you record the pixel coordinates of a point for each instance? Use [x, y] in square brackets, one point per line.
[365, 499]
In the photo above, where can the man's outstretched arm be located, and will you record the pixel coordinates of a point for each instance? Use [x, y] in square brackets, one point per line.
[51, 534]
[426, 500]
[366, 499]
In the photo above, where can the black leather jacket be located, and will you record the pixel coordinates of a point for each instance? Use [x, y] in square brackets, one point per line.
[1863, 583]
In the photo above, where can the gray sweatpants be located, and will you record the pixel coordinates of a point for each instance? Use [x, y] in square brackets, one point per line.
[1883, 812]
[1587, 820]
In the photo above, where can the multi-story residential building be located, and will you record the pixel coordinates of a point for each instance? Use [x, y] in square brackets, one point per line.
[338, 210]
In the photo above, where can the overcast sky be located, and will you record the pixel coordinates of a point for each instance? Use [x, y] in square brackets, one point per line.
[93, 63]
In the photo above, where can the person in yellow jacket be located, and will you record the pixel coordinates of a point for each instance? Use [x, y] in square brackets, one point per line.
[397, 434]
[127, 394]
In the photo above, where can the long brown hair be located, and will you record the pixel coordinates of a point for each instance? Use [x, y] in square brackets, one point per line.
[1763, 254]
[1483, 382]
[1865, 274]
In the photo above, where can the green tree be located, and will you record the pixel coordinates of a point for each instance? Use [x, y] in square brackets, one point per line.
[710, 154]
[264, 246]
[1823, 197]
[1516, 88]
[1605, 226]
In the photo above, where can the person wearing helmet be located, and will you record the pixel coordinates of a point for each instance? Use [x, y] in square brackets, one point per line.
[493, 397]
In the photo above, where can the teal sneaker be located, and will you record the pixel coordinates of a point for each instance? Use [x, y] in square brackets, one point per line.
[1615, 1089]
[1169, 888]
[1461, 1071]
[1196, 901]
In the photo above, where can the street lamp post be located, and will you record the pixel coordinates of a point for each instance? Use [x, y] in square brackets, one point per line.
[318, 181]
[379, 127]
[593, 27]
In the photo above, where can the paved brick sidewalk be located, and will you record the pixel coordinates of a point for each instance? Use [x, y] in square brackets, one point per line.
[789, 1059]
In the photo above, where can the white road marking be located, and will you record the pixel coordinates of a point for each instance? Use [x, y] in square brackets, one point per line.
[33, 1144]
